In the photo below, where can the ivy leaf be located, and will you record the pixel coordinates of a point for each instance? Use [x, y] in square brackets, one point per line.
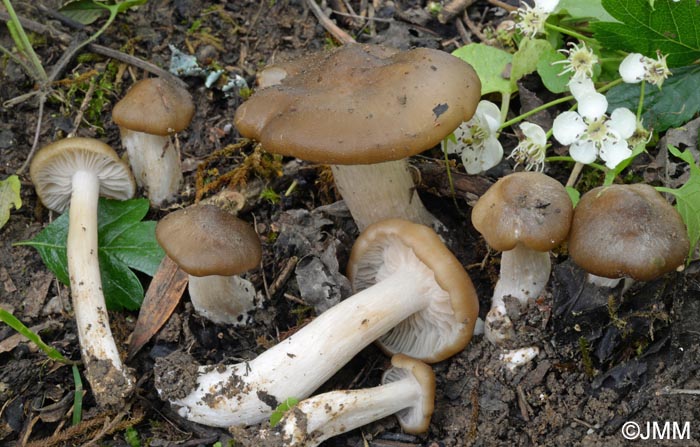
[9, 196]
[124, 241]
[688, 198]
[674, 105]
[490, 63]
[527, 57]
[667, 26]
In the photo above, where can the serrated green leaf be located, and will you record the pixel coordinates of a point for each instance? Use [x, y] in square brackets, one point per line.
[124, 241]
[490, 64]
[83, 11]
[526, 58]
[9, 197]
[586, 9]
[672, 106]
[670, 27]
[688, 198]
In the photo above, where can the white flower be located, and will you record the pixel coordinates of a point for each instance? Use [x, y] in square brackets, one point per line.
[591, 134]
[636, 68]
[531, 150]
[531, 19]
[475, 140]
[580, 61]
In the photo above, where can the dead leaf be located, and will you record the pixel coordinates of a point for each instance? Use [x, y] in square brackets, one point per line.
[161, 298]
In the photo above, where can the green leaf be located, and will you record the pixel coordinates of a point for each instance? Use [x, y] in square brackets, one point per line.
[282, 408]
[490, 63]
[670, 27]
[688, 198]
[578, 9]
[574, 195]
[9, 196]
[82, 11]
[125, 243]
[551, 74]
[525, 60]
[674, 105]
[12, 321]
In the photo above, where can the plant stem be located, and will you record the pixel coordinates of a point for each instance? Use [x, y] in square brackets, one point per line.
[538, 109]
[565, 158]
[26, 45]
[568, 32]
[640, 106]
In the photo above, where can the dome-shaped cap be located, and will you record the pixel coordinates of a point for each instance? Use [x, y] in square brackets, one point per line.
[446, 325]
[524, 207]
[627, 231]
[154, 106]
[53, 167]
[205, 240]
[414, 419]
[362, 104]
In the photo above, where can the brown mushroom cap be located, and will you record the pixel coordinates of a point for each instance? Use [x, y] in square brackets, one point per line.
[363, 104]
[53, 167]
[154, 106]
[415, 419]
[444, 328]
[205, 240]
[524, 207]
[627, 231]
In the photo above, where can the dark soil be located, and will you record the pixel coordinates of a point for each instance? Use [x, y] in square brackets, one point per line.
[604, 359]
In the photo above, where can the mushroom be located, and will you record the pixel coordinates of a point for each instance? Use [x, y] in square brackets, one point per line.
[402, 273]
[524, 215]
[407, 390]
[77, 171]
[364, 109]
[148, 115]
[626, 231]
[213, 247]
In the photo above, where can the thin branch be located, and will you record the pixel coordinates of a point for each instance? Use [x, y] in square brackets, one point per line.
[340, 35]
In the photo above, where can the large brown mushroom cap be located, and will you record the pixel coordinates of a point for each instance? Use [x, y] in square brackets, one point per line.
[53, 167]
[154, 106]
[205, 240]
[524, 207]
[415, 419]
[627, 231]
[363, 104]
[446, 326]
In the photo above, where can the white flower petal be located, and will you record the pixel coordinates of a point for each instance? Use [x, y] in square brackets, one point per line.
[463, 132]
[547, 6]
[580, 87]
[592, 105]
[583, 152]
[568, 127]
[471, 159]
[490, 114]
[492, 154]
[623, 121]
[614, 151]
[534, 132]
[632, 68]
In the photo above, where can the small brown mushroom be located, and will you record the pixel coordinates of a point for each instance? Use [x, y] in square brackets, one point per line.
[150, 113]
[524, 215]
[364, 109]
[627, 231]
[214, 248]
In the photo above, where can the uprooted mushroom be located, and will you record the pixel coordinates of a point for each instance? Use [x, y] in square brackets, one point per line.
[411, 293]
[364, 109]
[524, 215]
[73, 173]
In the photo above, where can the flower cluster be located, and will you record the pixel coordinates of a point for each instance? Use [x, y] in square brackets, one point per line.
[636, 68]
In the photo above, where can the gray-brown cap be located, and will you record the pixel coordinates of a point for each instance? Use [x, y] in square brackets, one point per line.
[446, 326]
[415, 419]
[205, 240]
[53, 167]
[362, 104]
[154, 106]
[627, 231]
[524, 207]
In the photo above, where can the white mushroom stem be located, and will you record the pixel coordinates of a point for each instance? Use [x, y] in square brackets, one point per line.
[330, 414]
[381, 191]
[524, 274]
[222, 299]
[602, 281]
[155, 162]
[108, 378]
[247, 393]
[515, 358]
